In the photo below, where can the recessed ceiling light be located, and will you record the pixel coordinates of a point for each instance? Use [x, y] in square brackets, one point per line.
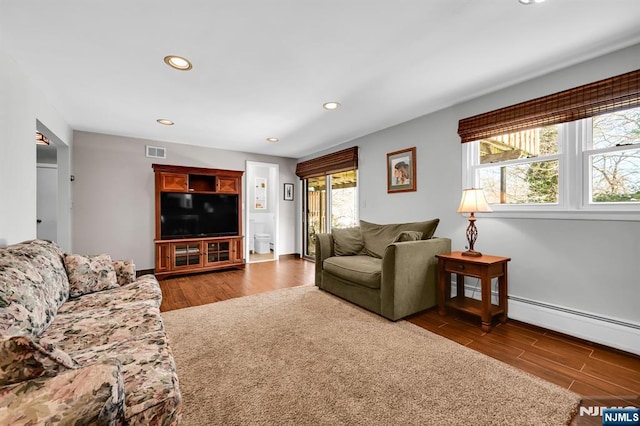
[331, 105]
[530, 1]
[178, 62]
[165, 122]
[272, 139]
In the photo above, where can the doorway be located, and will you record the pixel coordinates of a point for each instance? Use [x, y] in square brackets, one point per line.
[262, 189]
[53, 189]
[47, 201]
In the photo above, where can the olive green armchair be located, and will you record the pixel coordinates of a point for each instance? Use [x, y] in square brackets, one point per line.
[388, 269]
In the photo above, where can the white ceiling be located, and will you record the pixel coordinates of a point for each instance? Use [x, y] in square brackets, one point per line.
[263, 68]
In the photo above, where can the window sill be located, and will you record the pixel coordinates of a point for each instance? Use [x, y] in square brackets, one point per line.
[627, 216]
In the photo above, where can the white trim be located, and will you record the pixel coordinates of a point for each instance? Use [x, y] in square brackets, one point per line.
[615, 333]
[46, 166]
[564, 215]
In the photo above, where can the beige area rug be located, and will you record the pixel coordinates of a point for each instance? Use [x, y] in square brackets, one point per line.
[300, 356]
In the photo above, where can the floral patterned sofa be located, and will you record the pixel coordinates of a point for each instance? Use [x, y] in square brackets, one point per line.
[81, 341]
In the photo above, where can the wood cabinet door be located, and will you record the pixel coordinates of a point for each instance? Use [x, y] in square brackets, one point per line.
[174, 182]
[237, 252]
[227, 184]
[163, 257]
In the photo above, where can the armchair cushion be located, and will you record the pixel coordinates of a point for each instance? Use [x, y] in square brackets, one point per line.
[23, 359]
[88, 274]
[347, 241]
[361, 270]
[408, 236]
[376, 237]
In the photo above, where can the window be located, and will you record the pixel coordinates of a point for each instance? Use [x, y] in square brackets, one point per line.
[612, 157]
[520, 168]
[330, 194]
[591, 164]
[344, 199]
[573, 151]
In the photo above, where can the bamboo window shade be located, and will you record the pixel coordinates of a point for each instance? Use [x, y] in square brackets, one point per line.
[604, 96]
[336, 162]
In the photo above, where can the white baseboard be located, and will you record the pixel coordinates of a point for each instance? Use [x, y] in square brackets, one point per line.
[623, 335]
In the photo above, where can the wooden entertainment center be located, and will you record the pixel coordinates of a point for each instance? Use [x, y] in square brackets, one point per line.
[197, 253]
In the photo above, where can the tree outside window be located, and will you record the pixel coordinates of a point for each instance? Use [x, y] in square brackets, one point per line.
[615, 173]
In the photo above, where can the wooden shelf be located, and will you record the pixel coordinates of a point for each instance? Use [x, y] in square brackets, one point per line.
[186, 251]
[472, 306]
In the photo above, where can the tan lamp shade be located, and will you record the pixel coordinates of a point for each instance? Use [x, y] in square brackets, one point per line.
[473, 201]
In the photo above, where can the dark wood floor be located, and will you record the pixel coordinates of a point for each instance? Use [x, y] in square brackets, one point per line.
[603, 376]
[199, 289]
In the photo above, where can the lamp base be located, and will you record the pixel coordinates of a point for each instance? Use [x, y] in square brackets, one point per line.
[471, 253]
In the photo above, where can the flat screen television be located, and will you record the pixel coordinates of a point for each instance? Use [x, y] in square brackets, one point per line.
[198, 215]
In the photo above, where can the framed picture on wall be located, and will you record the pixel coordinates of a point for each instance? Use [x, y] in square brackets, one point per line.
[401, 170]
[288, 192]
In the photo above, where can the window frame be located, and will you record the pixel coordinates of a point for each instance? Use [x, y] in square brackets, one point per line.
[574, 179]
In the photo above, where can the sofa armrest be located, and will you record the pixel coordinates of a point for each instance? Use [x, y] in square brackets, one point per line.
[125, 271]
[324, 250]
[89, 395]
[410, 276]
[24, 358]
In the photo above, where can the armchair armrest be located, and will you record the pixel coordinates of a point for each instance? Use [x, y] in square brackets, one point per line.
[324, 250]
[409, 276]
[89, 395]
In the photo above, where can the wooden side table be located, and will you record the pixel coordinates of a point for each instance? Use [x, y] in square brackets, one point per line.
[485, 268]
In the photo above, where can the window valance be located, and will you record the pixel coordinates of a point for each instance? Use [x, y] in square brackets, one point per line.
[340, 161]
[604, 96]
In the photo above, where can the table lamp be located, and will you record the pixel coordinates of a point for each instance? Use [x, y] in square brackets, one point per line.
[473, 201]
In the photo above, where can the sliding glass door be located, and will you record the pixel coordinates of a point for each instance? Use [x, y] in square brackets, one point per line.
[316, 211]
[323, 210]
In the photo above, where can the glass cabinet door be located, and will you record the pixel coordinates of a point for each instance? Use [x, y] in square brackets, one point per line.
[186, 254]
[218, 251]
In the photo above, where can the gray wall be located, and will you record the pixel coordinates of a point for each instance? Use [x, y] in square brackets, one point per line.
[114, 193]
[589, 266]
[22, 109]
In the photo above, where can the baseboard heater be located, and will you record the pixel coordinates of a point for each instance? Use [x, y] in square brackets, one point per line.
[613, 332]
[574, 312]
